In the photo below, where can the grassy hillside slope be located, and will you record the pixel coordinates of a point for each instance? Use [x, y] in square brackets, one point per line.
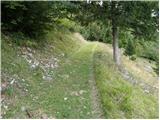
[121, 98]
[28, 69]
[60, 76]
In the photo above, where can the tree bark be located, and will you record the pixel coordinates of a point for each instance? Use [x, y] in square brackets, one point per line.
[114, 22]
[116, 52]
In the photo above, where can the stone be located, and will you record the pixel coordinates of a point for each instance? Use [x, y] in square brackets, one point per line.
[146, 91]
[81, 92]
[62, 54]
[74, 93]
[36, 63]
[33, 66]
[47, 78]
[13, 80]
[65, 98]
[5, 106]
[23, 108]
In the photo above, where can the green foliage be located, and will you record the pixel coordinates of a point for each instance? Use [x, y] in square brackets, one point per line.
[124, 36]
[20, 39]
[92, 32]
[70, 25]
[130, 48]
[138, 19]
[9, 91]
[151, 51]
[31, 18]
[133, 57]
[140, 16]
[97, 31]
[147, 49]
[34, 18]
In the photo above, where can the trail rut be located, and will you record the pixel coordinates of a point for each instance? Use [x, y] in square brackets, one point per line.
[97, 110]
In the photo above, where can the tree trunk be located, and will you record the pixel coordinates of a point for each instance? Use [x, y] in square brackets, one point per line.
[116, 52]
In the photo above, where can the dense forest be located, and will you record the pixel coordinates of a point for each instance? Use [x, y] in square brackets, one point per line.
[79, 59]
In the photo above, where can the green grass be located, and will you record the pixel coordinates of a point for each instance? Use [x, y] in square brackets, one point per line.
[71, 77]
[121, 99]
[60, 97]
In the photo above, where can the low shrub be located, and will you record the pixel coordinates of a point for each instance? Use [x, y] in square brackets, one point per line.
[133, 57]
[130, 48]
[97, 31]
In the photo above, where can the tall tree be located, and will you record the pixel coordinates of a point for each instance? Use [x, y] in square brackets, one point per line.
[33, 18]
[139, 17]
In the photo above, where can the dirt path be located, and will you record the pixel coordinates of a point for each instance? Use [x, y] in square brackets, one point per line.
[96, 103]
[96, 106]
[97, 111]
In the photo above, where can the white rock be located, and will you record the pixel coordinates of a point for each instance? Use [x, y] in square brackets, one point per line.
[29, 61]
[29, 49]
[56, 65]
[23, 108]
[26, 90]
[81, 92]
[75, 93]
[146, 91]
[4, 112]
[47, 65]
[5, 106]
[12, 81]
[52, 66]
[44, 77]
[30, 55]
[36, 63]
[65, 98]
[47, 78]
[33, 66]
[62, 54]
[155, 87]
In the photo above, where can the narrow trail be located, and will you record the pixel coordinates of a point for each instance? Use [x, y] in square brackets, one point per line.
[96, 106]
[96, 103]
[82, 60]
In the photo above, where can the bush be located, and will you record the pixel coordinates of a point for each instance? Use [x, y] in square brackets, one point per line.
[148, 49]
[124, 36]
[130, 48]
[69, 24]
[21, 40]
[32, 18]
[133, 57]
[97, 31]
